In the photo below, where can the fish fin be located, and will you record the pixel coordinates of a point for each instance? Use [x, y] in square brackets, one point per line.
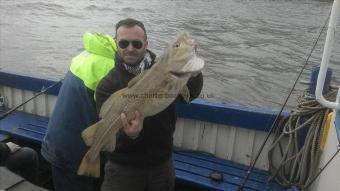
[108, 103]
[89, 167]
[110, 144]
[185, 93]
[89, 133]
[134, 80]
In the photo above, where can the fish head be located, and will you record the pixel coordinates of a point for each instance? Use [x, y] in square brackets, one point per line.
[181, 58]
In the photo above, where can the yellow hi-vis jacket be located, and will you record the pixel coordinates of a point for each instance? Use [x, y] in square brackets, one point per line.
[96, 60]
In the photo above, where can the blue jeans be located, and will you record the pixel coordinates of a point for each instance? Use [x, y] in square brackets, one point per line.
[68, 180]
[23, 162]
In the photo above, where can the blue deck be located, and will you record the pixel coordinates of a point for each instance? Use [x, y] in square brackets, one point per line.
[191, 167]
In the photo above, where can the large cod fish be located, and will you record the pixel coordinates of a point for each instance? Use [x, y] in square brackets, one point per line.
[148, 93]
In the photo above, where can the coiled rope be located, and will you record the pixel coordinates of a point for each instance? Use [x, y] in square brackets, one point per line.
[299, 163]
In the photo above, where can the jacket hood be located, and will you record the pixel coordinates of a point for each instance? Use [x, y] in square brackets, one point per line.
[100, 44]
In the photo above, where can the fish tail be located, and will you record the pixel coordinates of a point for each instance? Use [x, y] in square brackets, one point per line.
[89, 167]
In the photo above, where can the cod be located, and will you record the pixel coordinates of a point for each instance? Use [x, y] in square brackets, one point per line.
[149, 93]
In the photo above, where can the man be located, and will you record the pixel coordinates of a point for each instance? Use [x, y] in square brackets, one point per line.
[143, 155]
[21, 160]
[74, 111]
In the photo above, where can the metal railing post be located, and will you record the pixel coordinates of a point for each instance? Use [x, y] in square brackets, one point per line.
[325, 57]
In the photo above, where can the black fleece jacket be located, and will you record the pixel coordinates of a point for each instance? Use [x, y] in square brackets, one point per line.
[154, 144]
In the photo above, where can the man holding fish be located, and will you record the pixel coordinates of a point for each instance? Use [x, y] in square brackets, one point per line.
[135, 130]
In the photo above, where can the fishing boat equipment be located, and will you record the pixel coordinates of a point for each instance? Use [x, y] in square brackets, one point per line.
[323, 168]
[326, 56]
[323, 68]
[274, 125]
[325, 59]
[42, 91]
[298, 163]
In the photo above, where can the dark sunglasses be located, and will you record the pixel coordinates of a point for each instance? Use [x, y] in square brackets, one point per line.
[137, 44]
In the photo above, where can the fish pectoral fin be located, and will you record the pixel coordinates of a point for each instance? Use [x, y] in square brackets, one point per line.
[109, 102]
[134, 80]
[89, 133]
[110, 145]
[185, 93]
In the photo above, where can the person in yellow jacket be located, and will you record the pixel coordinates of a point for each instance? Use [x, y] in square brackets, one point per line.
[75, 110]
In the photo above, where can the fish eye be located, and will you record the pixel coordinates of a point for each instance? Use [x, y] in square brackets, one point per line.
[176, 45]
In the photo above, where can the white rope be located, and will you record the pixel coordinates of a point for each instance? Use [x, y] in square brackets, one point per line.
[297, 165]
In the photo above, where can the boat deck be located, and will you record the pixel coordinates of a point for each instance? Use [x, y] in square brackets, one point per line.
[193, 168]
[11, 182]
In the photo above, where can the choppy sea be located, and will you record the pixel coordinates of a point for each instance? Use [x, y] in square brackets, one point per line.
[253, 49]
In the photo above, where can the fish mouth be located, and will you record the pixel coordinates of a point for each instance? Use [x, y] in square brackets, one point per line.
[191, 68]
[180, 74]
[194, 65]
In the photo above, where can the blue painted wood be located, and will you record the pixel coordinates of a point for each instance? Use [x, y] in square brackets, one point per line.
[193, 168]
[210, 158]
[314, 79]
[3, 136]
[24, 125]
[229, 114]
[204, 182]
[211, 166]
[27, 83]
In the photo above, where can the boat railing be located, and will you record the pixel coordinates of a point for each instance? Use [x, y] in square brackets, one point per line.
[326, 56]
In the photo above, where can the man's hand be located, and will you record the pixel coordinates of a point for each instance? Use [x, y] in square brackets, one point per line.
[13, 147]
[133, 127]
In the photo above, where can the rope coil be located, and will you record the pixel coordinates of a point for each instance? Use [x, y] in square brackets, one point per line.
[299, 163]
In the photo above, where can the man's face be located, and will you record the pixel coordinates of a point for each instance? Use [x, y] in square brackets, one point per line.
[131, 44]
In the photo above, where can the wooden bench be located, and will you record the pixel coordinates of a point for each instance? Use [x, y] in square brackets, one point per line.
[191, 167]
[23, 125]
[196, 168]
